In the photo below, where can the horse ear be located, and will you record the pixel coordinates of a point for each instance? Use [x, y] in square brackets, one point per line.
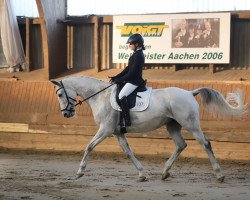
[56, 83]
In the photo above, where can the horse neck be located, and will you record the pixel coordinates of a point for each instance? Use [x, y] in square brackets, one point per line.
[86, 86]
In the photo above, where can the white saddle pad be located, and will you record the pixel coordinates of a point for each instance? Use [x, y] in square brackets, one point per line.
[141, 103]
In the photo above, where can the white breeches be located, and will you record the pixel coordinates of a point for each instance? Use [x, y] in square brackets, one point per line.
[127, 90]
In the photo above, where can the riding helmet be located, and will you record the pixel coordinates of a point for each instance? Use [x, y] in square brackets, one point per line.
[135, 38]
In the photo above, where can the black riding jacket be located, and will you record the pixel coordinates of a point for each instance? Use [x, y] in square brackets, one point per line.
[133, 72]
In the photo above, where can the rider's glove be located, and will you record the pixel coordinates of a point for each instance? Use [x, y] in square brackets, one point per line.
[112, 79]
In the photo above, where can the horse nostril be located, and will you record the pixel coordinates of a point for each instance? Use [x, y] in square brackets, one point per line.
[65, 114]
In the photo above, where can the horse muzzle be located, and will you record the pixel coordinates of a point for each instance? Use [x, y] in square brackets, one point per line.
[68, 114]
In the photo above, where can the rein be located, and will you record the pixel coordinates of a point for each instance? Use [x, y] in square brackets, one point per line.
[80, 101]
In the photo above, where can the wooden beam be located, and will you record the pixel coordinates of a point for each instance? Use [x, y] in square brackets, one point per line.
[96, 44]
[44, 37]
[140, 146]
[223, 135]
[211, 68]
[54, 36]
[14, 127]
[103, 46]
[70, 46]
[174, 67]
[36, 21]
[28, 41]
[107, 19]
[71, 21]
[244, 15]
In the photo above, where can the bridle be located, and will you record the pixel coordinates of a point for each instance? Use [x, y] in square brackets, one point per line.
[69, 103]
[80, 101]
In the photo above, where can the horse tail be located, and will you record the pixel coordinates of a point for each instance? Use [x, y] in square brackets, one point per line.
[214, 101]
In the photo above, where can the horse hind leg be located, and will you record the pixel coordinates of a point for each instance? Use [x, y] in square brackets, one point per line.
[199, 136]
[174, 129]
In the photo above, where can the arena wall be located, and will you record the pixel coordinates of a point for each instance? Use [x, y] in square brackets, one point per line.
[30, 119]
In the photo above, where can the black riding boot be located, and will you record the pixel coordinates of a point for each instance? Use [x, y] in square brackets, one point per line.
[122, 124]
[125, 110]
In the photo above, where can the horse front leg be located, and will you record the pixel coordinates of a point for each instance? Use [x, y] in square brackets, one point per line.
[101, 134]
[125, 146]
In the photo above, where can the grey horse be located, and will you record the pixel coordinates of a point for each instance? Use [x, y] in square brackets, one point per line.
[173, 107]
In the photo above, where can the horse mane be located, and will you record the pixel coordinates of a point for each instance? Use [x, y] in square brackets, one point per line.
[88, 77]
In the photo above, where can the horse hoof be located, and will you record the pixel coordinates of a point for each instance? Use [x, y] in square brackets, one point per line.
[165, 175]
[79, 175]
[221, 178]
[142, 179]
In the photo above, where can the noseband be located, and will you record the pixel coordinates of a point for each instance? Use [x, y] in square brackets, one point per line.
[69, 103]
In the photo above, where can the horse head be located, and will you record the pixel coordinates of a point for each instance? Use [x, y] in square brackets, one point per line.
[66, 97]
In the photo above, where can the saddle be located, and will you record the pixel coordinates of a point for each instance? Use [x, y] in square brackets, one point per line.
[137, 100]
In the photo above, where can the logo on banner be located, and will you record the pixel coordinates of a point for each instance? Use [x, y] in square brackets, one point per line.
[154, 29]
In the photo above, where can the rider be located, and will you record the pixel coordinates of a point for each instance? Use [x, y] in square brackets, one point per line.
[131, 76]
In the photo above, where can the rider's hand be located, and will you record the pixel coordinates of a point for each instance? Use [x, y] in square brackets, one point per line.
[112, 79]
[118, 81]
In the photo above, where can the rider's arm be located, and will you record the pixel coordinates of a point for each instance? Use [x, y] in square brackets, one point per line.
[121, 74]
[134, 68]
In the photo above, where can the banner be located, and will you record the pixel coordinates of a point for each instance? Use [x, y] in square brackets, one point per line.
[175, 38]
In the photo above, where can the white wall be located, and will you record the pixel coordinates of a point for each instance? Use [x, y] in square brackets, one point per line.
[112, 7]
[25, 8]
